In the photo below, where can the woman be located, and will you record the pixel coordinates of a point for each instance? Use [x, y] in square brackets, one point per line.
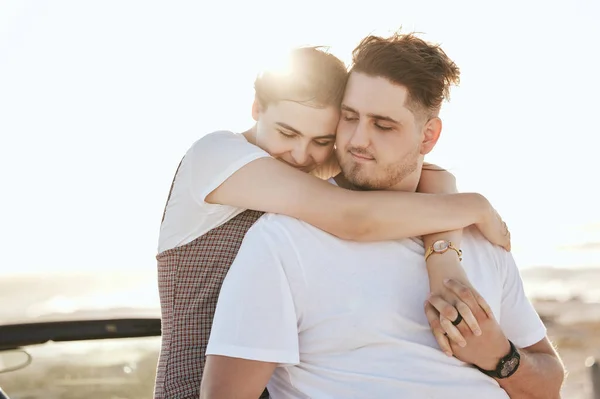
[271, 168]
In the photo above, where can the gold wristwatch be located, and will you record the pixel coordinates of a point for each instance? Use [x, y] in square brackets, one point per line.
[441, 246]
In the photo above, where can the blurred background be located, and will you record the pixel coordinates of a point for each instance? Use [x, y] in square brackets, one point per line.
[100, 100]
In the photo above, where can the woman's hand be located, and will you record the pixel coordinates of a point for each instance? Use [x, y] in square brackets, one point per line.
[436, 180]
[495, 229]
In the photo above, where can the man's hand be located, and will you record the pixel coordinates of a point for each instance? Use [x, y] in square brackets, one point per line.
[440, 268]
[485, 350]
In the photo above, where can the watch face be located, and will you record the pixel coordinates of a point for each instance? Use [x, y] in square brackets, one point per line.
[509, 366]
[440, 246]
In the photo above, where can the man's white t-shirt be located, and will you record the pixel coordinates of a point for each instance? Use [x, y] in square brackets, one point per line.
[345, 319]
[207, 164]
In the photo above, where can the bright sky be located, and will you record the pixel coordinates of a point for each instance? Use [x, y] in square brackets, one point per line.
[99, 101]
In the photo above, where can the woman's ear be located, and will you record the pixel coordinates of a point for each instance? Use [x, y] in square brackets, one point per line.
[256, 108]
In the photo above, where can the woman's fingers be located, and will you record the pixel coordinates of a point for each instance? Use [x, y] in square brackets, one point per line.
[436, 327]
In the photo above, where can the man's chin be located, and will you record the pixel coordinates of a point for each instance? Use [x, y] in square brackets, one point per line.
[358, 180]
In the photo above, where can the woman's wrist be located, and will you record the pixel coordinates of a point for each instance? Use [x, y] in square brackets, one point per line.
[439, 275]
[442, 266]
[481, 207]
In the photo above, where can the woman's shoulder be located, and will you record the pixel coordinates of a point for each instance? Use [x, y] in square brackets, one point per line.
[219, 136]
[224, 149]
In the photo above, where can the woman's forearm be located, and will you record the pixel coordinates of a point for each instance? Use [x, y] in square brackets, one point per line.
[268, 185]
[394, 215]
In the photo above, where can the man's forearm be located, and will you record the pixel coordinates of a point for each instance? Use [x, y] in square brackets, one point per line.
[539, 376]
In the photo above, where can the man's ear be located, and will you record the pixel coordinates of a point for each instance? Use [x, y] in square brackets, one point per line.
[256, 108]
[431, 134]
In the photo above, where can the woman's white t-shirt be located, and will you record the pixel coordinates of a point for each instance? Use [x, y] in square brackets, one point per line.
[207, 164]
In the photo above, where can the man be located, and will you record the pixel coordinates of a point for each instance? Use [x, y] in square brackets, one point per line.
[300, 310]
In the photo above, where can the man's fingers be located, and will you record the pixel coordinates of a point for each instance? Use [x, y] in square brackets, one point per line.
[436, 328]
[447, 313]
[469, 320]
[443, 307]
[466, 295]
[483, 304]
[453, 332]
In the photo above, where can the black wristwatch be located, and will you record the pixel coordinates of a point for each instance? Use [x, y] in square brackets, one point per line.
[507, 366]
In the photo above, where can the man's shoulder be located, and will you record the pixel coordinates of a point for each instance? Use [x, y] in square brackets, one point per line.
[475, 242]
[282, 230]
[271, 222]
[474, 237]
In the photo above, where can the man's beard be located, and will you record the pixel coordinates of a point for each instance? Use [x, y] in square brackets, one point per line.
[374, 176]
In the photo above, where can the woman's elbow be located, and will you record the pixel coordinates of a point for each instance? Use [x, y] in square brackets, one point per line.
[354, 225]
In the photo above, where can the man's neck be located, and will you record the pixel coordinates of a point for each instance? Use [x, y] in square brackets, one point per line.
[409, 183]
[341, 181]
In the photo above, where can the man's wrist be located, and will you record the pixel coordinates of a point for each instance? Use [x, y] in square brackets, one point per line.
[491, 363]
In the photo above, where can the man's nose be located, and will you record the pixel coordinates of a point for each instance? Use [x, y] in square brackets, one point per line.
[360, 136]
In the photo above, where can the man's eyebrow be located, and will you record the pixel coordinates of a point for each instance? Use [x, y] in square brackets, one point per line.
[383, 118]
[374, 116]
[299, 133]
[349, 109]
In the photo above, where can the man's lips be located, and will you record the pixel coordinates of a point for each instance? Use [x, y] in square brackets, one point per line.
[361, 157]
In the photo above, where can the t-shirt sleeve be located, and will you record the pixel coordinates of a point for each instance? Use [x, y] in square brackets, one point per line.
[255, 317]
[518, 318]
[217, 156]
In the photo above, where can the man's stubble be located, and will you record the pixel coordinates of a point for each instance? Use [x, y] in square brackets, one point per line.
[377, 177]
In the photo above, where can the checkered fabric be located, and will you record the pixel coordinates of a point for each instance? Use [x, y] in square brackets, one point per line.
[189, 281]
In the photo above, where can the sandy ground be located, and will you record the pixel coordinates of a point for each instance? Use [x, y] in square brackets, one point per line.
[574, 328]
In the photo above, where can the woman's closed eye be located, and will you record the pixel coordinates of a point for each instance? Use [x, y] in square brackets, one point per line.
[323, 143]
[288, 135]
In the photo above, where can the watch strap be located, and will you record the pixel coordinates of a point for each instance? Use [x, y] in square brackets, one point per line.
[497, 373]
[430, 251]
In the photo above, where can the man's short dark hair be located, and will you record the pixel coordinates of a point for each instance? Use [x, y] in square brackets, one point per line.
[404, 59]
